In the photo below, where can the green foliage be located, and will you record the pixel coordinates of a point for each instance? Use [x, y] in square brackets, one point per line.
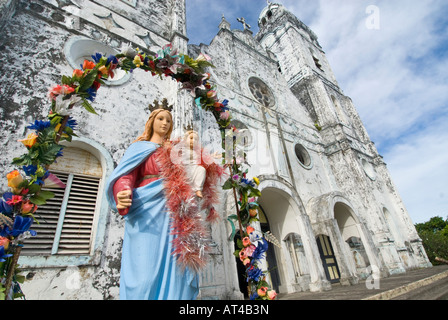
[434, 234]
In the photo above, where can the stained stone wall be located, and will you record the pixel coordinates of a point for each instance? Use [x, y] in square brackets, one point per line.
[320, 173]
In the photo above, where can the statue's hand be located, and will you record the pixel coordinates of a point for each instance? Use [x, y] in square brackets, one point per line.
[124, 199]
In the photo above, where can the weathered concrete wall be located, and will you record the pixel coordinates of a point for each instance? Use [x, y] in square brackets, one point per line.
[343, 166]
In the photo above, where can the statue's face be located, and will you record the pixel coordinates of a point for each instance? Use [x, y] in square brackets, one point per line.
[162, 123]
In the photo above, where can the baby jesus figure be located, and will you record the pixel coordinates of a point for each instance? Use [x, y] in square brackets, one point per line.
[191, 157]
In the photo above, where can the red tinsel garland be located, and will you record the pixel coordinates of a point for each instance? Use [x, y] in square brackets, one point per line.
[191, 234]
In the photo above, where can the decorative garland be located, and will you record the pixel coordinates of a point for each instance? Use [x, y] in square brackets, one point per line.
[17, 208]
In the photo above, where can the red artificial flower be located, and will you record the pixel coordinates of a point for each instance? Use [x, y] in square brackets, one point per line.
[14, 200]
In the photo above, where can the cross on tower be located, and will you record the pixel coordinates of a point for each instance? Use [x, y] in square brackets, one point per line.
[243, 21]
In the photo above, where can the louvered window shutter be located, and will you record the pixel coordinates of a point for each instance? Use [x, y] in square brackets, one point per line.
[66, 222]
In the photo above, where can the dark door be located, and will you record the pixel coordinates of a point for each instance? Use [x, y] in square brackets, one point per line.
[328, 258]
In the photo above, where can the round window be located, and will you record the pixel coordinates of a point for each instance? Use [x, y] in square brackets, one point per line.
[368, 169]
[78, 49]
[261, 92]
[303, 156]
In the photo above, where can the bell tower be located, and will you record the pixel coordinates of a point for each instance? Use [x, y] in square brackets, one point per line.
[302, 62]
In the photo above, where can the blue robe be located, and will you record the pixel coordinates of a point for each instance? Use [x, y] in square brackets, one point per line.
[149, 271]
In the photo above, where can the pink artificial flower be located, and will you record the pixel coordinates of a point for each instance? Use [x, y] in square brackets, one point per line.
[224, 115]
[58, 89]
[272, 294]
[14, 200]
[203, 57]
[249, 250]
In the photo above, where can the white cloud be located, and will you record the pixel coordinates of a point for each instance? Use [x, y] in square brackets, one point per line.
[398, 85]
[418, 167]
[396, 77]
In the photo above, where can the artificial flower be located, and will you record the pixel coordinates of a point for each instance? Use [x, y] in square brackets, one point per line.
[262, 247]
[88, 65]
[103, 70]
[5, 207]
[253, 212]
[236, 177]
[63, 106]
[4, 242]
[246, 241]
[77, 73]
[272, 294]
[203, 57]
[262, 291]
[39, 125]
[14, 179]
[246, 262]
[30, 140]
[138, 61]
[52, 181]
[3, 256]
[242, 255]
[92, 94]
[244, 182]
[128, 51]
[249, 251]
[253, 296]
[59, 90]
[21, 224]
[257, 181]
[254, 273]
[28, 207]
[97, 57]
[211, 94]
[224, 115]
[249, 229]
[15, 199]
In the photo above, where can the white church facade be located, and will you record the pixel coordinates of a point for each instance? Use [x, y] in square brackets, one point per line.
[327, 195]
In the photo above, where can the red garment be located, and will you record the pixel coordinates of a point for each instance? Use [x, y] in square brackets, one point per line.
[134, 179]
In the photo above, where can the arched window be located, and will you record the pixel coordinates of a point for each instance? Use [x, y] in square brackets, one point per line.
[77, 49]
[66, 222]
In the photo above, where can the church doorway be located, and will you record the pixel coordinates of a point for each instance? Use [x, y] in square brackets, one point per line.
[271, 261]
[352, 237]
[270, 254]
[328, 258]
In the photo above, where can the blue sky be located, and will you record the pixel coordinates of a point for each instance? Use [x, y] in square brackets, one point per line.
[392, 62]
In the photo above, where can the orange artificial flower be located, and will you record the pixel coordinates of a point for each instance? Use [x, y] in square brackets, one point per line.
[253, 212]
[103, 70]
[262, 291]
[4, 242]
[14, 179]
[246, 241]
[88, 65]
[28, 207]
[77, 73]
[30, 140]
[249, 229]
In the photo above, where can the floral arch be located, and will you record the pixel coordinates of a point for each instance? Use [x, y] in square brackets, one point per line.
[18, 206]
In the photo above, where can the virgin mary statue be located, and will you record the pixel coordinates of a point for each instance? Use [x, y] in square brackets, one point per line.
[165, 239]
